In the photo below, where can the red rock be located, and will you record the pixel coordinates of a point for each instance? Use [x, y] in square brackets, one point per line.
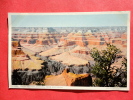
[124, 36]
[77, 80]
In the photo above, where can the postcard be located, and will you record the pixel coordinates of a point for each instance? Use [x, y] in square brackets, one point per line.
[73, 50]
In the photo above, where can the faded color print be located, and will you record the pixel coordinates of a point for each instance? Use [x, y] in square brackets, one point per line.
[69, 50]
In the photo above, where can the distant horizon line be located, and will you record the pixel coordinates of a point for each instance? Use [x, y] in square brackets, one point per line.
[73, 26]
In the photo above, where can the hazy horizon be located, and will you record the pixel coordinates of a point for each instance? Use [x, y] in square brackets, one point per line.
[69, 27]
[96, 20]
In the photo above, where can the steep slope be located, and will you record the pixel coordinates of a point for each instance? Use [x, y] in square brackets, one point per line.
[72, 39]
[81, 52]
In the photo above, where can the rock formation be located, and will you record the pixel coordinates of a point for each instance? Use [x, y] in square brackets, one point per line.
[59, 57]
[69, 79]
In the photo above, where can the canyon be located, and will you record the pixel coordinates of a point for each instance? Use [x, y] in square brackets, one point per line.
[59, 58]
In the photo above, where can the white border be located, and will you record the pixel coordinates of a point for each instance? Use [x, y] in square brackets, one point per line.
[69, 87]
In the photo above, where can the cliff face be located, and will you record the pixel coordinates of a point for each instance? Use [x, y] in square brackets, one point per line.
[50, 54]
[73, 38]
[16, 50]
[77, 79]
[82, 81]
[43, 42]
[15, 44]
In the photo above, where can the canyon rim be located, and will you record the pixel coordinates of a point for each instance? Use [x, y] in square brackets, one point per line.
[86, 50]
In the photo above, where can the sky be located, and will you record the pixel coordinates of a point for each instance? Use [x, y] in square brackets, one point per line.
[69, 20]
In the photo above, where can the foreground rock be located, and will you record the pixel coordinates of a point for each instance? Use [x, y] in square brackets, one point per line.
[68, 79]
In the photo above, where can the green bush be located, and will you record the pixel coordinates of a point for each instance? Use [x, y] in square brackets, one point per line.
[106, 75]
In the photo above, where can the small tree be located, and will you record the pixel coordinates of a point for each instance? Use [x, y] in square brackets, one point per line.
[102, 68]
[120, 75]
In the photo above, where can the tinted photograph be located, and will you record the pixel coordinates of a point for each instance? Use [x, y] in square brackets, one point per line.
[87, 51]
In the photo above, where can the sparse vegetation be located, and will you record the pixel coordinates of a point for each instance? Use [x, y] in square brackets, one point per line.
[105, 74]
